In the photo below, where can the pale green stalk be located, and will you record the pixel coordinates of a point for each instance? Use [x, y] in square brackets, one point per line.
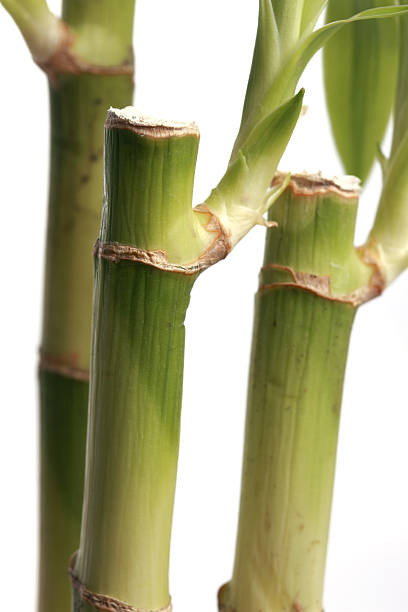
[87, 57]
[312, 281]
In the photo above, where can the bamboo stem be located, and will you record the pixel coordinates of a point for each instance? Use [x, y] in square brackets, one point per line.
[137, 369]
[305, 308]
[78, 107]
[87, 58]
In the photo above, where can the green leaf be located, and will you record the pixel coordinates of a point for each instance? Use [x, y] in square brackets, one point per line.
[310, 14]
[266, 59]
[401, 102]
[360, 68]
[311, 44]
[244, 193]
[291, 70]
[389, 235]
[288, 15]
[280, 25]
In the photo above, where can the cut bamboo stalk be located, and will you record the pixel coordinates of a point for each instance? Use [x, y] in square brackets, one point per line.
[137, 365]
[311, 284]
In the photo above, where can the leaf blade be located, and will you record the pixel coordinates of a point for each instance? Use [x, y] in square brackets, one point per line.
[360, 69]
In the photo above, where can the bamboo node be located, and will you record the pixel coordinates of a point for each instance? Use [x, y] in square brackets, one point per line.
[321, 285]
[104, 602]
[65, 61]
[62, 366]
[117, 252]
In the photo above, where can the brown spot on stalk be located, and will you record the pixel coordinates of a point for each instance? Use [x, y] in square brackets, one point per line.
[297, 607]
[94, 157]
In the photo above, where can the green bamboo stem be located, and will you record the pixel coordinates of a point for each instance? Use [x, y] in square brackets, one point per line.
[87, 57]
[310, 286]
[137, 365]
[78, 107]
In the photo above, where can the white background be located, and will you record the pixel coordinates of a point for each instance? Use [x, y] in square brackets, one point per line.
[193, 59]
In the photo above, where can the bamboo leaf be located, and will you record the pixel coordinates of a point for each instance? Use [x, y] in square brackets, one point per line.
[389, 236]
[291, 70]
[288, 19]
[401, 102]
[360, 68]
[266, 59]
[311, 12]
[243, 193]
[273, 41]
[315, 41]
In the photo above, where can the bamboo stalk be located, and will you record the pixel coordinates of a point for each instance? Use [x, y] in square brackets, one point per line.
[137, 366]
[87, 58]
[78, 105]
[152, 247]
[311, 283]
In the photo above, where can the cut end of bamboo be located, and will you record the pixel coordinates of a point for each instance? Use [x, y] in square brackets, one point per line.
[130, 118]
[305, 184]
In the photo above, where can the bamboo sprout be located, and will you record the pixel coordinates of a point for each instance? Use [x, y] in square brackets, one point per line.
[87, 58]
[312, 281]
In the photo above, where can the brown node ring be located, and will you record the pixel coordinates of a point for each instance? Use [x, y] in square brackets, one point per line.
[103, 602]
[65, 61]
[62, 367]
[117, 252]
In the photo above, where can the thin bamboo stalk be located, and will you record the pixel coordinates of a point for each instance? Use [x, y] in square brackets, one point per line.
[87, 58]
[78, 107]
